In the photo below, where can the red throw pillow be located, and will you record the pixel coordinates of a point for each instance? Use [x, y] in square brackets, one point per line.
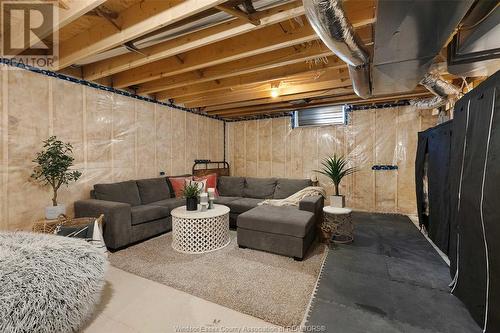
[178, 184]
[211, 181]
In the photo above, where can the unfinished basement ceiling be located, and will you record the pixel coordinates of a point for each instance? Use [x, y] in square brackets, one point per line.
[244, 58]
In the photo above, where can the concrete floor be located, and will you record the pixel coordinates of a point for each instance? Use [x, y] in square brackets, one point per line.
[133, 304]
[389, 280]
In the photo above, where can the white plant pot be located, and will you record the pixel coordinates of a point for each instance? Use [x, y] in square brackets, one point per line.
[52, 212]
[337, 201]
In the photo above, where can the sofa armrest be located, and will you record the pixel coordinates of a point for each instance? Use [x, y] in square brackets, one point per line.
[313, 204]
[117, 219]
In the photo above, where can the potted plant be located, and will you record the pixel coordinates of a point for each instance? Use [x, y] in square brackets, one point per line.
[52, 168]
[191, 192]
[336, 168]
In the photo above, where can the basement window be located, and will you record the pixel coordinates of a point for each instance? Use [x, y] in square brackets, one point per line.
[320, 116]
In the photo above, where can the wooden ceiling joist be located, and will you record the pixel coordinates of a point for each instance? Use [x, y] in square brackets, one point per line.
[189, 42]
[250, 18]
[274, 74]
[266, 61]
[246, 45]
[342, 98]
[251, 44]
[264, 92]
[278, 102]
[329, 79]
[135, 21]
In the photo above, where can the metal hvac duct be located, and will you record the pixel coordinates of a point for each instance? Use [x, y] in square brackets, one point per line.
[408, 36]
[328, 20]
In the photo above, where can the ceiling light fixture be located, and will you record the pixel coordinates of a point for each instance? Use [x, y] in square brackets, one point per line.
[275, 92]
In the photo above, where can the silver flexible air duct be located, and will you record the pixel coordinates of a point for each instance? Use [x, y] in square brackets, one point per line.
[428, 103]
[328, 19]
[439, 87]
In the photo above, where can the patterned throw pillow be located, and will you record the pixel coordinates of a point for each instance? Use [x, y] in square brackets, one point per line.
[178, 184]
[202, 184]
[211, 180]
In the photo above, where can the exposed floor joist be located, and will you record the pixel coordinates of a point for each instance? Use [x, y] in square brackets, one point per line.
[135, 21]
[349, 98]
[275, 74]
[266, 61]
[249, 44]
[189, 42]
[326, 79]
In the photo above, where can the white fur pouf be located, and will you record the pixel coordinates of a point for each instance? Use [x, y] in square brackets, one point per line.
[48, 283]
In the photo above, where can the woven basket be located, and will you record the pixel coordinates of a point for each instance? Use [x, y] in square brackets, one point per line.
[49, 226]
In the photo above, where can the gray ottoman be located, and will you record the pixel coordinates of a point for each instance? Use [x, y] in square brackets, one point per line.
[283, 230]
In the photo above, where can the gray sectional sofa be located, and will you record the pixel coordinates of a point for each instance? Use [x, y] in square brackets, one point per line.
[133, 210]
[139, 209]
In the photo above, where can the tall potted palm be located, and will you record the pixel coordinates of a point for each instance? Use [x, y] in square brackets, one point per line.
[336, 168]
[52, 169]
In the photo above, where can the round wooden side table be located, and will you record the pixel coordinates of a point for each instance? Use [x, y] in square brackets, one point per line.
[337, 225]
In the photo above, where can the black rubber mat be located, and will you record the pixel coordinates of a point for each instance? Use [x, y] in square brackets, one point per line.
[389, 280]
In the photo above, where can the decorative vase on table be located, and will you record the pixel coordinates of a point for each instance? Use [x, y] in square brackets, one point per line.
[336, 168]
[192, 204]
[191, 192]
[337, 201]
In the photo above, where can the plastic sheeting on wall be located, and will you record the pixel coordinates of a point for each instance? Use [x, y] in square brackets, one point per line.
[114, 137]
[475, 202]
[270, 147]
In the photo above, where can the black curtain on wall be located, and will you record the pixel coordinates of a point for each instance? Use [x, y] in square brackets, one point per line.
[432, 163]
[474, 183]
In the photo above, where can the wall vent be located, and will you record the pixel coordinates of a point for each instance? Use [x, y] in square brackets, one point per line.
[320, 116]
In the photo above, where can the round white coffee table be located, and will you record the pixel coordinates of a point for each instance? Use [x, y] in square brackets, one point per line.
[200, 232]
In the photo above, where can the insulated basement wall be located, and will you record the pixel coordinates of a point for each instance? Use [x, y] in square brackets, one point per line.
[114, 137]
[270, 147]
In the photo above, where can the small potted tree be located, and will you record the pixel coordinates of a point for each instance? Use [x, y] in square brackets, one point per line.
[336, 168]
[191, 192]
[52, 168]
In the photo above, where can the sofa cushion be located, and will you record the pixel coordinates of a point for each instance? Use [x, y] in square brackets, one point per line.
[261, 188]
[170, 203]
[148, 213]
[125, 192]
[231, 186]
[286, 220]
[286, 187]
[225, 200]
[153, 189]
[241, 205]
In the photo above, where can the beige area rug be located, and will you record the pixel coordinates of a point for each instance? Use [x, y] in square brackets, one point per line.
[271, 287]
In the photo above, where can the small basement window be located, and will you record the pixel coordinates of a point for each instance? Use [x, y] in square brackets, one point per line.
[320, 116]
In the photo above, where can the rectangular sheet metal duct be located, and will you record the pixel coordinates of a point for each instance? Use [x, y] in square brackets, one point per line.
[408, 36]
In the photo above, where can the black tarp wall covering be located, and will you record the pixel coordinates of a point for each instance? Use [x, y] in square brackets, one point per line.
[474, 183]
[434, 148]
